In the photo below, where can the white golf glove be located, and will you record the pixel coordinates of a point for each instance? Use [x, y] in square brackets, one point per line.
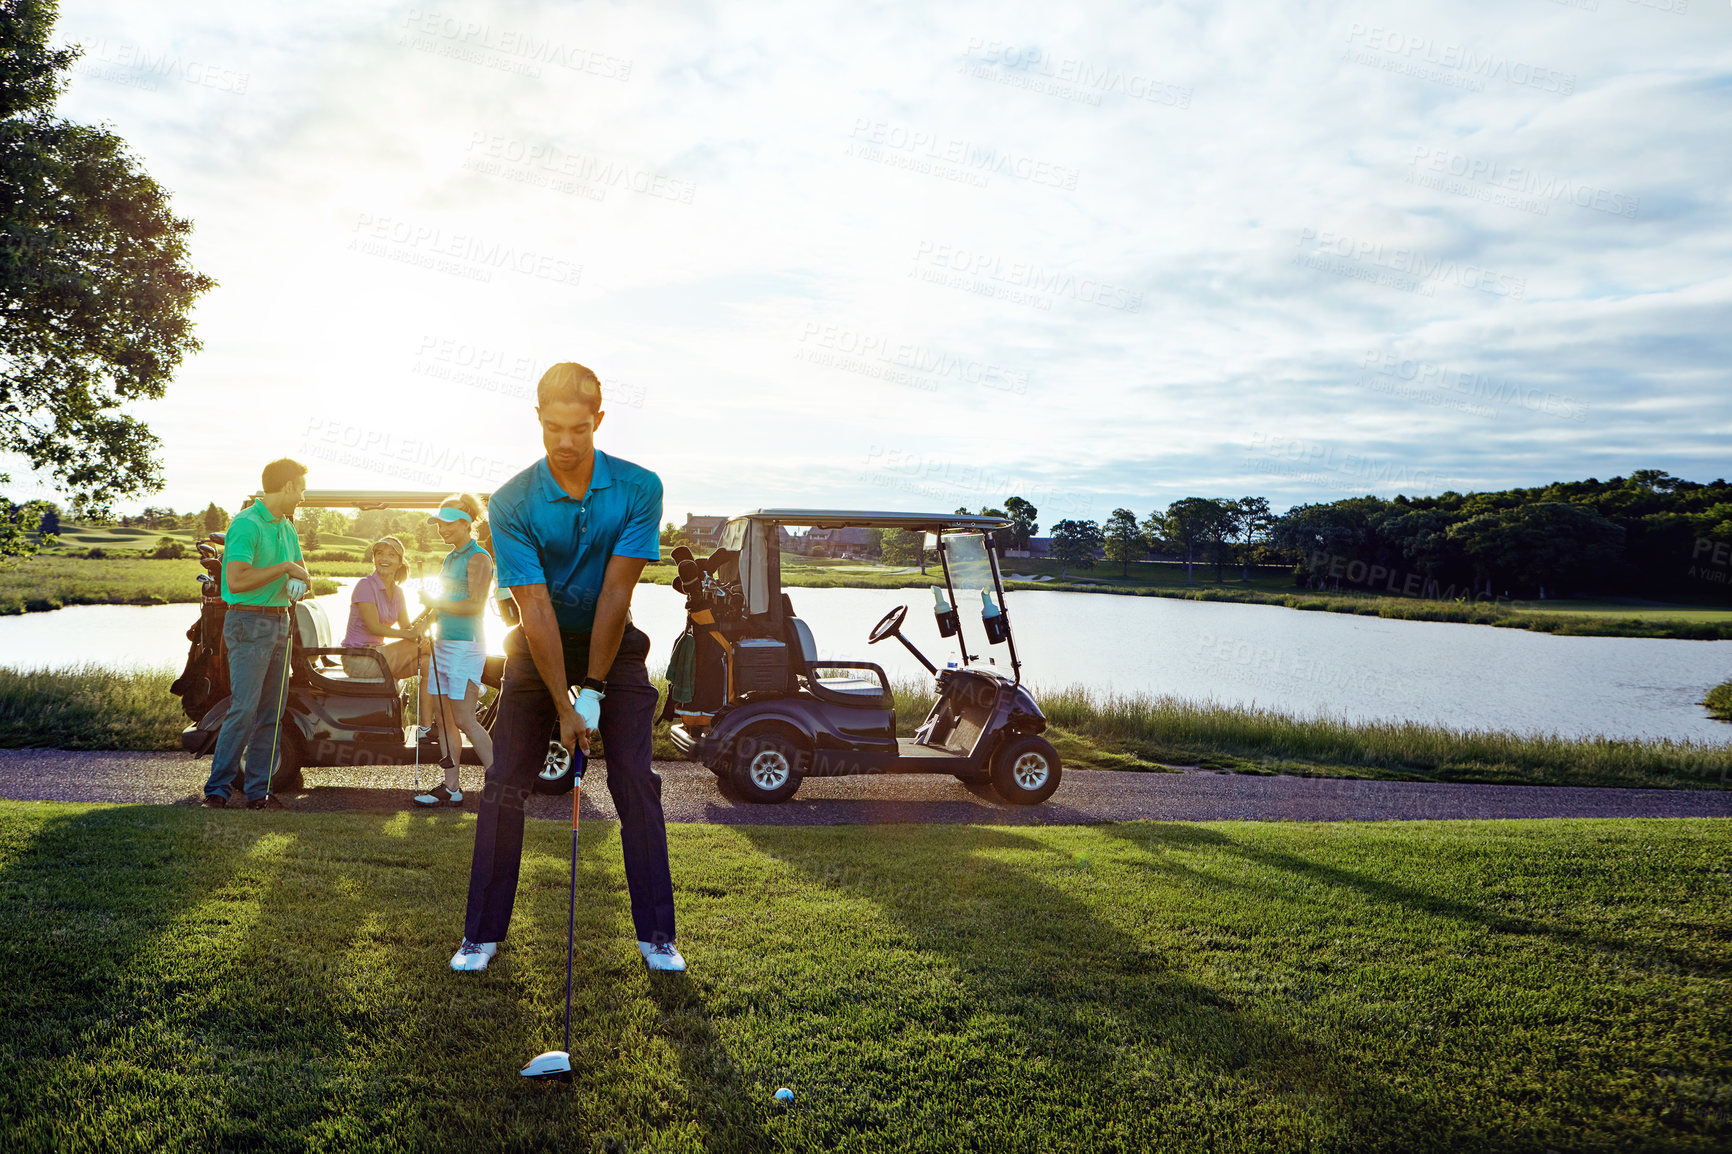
[295, 588]
[589, 708]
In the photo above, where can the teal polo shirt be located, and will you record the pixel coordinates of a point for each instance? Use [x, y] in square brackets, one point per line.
[543, 536]
[261, 540]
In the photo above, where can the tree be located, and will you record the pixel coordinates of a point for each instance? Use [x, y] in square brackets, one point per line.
[1654, 480]
[50, 526]
[1545, 544]
[1001, 539]
[423, 537]
[19, 525]
[1252, 520]
[215, 520]
[309, 521]
[95, 288]
[1124, 542]
[1188, 523]
[1023, 514]
[1218, 534]
[1347, 530]
[1074, 543]
[902, 547]
[168, 549]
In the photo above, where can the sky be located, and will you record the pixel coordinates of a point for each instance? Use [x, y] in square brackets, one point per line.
[907, 256]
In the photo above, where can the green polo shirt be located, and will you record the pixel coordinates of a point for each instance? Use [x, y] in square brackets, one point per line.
[261, 540]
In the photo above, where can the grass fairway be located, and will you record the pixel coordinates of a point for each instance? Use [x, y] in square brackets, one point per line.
[178, 979]
[44, 583]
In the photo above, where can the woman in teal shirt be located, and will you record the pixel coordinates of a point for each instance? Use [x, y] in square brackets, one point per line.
[459, 650]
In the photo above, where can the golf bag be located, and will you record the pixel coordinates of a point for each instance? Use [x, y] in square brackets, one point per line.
[204, 680]
[700, 664]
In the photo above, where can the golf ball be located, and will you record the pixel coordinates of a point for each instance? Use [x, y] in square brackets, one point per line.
[785, 1096]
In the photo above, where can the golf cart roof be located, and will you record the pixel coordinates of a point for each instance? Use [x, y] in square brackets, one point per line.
[372, 498]
[871, 519]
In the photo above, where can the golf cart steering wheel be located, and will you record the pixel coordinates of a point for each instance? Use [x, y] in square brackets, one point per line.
[888, 626]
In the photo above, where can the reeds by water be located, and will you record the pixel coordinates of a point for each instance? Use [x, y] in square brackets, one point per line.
[92, 707]
[1163, 730]
[89, 707]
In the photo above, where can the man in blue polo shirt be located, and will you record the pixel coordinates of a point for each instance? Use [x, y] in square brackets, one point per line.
[571, 534]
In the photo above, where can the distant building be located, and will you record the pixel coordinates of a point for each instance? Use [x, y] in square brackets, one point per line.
[1037, 547]
[1040, 548]
[842, 542]
[704, 532]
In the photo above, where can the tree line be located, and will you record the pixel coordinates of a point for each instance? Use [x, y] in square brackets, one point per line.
[1647, 533]
[312, 525]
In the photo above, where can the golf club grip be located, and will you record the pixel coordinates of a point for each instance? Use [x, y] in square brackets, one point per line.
[576, 786]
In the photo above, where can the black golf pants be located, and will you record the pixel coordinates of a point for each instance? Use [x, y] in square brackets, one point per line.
[520, 738]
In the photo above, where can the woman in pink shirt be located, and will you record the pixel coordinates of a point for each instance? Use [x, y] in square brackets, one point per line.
[377, 610]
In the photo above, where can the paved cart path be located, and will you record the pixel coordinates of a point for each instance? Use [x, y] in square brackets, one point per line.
[689, 795]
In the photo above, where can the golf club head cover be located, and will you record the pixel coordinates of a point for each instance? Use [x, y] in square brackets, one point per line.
[691, 577]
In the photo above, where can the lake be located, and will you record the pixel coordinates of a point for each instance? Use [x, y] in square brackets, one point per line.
[1463, 676]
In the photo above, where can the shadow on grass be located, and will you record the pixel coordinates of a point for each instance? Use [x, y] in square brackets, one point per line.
[1617, 950]
[90, 904]
[1129, 1049]
[182, 978]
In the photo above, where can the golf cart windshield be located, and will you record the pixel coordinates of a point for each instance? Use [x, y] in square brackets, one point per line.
[970, 569]
[971, 572]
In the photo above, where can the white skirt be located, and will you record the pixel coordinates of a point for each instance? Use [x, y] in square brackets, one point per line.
[455, 665]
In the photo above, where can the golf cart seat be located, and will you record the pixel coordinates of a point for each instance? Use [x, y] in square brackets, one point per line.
[808, 650]
[322, 659]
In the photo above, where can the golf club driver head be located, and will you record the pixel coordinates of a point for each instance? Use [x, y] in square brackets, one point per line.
[554, 1065]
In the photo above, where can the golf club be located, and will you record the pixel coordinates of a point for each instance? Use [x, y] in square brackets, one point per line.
[439, 723]
[282, 688]
[556, 1064]
[421, 687]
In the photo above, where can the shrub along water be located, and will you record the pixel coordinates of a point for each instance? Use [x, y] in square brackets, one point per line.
[89, 707]
[1177, 731]
[95, 708]
[1719, 700]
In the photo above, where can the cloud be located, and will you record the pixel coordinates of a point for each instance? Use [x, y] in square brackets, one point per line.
[1095, 252]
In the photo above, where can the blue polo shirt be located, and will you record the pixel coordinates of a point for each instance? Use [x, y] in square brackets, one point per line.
[543, 536]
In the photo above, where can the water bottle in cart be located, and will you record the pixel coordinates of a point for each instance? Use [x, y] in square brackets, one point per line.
[992, 619]
[947, 622]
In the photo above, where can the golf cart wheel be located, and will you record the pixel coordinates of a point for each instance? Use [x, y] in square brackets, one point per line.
[555, 775]
[1025, 770]
[766, 766]
[726, 787]
[288, 777]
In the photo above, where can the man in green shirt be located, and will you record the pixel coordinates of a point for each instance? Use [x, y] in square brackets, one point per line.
[262, 575]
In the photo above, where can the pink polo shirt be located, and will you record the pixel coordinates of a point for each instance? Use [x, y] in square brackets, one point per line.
[390, 604]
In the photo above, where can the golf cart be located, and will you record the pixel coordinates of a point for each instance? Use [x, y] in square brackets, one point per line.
[752, 700]
[337, 713]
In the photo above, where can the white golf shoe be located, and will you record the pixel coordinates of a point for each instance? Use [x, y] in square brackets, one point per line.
[472, 956]
[662, 958]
